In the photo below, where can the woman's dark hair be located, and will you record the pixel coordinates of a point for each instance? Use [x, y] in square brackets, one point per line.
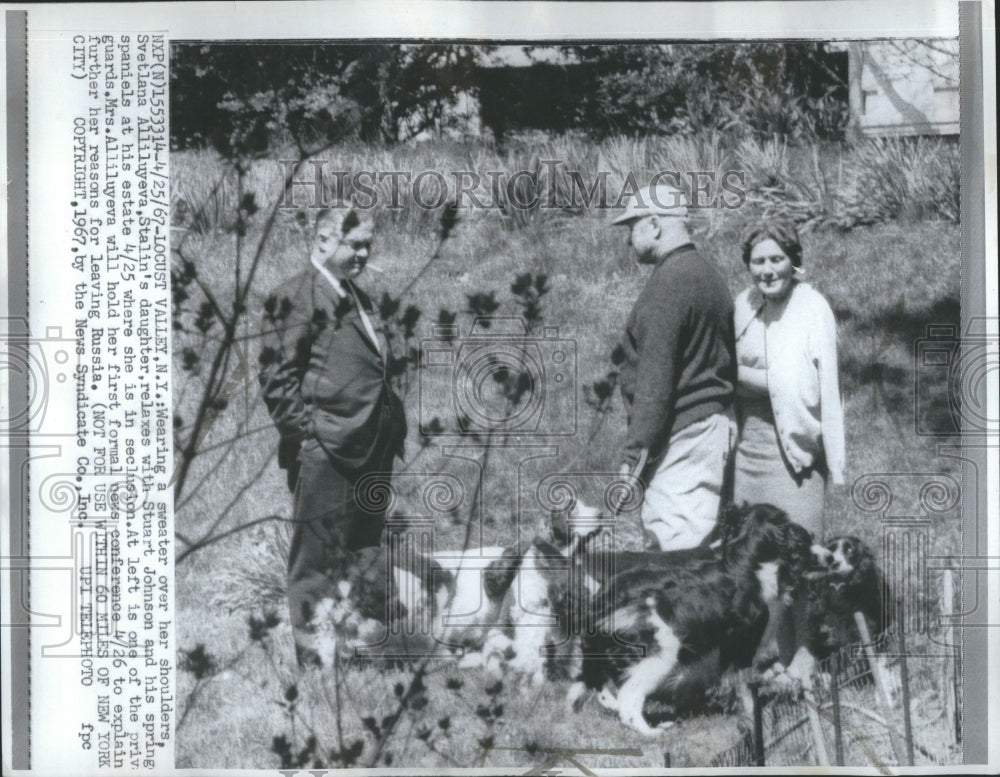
[781, 232]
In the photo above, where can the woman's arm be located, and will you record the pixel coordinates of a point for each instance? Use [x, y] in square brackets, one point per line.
[831, 407]
[751, 382]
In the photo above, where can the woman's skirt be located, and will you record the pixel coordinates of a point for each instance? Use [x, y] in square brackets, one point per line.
[762, 473]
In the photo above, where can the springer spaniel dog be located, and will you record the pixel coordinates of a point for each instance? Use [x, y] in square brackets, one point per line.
[668, 629]
[500, 607]
[550, 600]
[406, 604]
[853, 583]
[535, 639]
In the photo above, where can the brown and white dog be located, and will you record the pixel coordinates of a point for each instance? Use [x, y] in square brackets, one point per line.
[853, 583]
[533, 637]
[500, 606]
[398, 603]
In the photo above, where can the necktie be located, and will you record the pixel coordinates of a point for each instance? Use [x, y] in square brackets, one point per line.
[366, 322]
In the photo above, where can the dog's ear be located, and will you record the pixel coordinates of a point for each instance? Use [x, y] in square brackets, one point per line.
[783, 529]
[559, 524]
[869, 575]
[500, 574]
[579, 542]
[866, 571]
[879, 601]
[731, 520]
[773, 514]
[732, 527]
[801, 549]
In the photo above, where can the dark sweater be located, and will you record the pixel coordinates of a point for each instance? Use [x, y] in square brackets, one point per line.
[680, 362]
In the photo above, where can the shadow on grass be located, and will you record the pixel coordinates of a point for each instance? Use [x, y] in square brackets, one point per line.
[902, 326]
[917, 397]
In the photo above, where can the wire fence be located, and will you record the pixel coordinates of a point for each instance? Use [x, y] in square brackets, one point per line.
[861, 709]
[742, 753]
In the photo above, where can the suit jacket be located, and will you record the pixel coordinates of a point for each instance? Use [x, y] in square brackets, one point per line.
[324, 379]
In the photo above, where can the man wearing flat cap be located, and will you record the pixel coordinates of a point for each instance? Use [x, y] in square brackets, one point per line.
[679, 374]
[323, 373]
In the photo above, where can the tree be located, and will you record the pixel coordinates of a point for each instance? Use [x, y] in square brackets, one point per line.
[737, 89]
[248, 99]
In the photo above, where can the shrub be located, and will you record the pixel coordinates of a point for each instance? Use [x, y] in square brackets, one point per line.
[877, 180]
[911, 179]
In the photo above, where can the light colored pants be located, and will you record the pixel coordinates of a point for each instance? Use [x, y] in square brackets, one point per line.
[681, 501]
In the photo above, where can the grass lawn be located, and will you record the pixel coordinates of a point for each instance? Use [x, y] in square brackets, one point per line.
[885, 282]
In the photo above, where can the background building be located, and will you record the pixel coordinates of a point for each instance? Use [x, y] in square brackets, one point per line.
[904, 87]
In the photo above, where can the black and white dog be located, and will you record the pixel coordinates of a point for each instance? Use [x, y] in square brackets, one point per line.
[668, 629]
[551, 598]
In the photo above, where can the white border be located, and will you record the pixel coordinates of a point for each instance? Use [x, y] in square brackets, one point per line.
[993, 389]
[6, 724]
[536, 21]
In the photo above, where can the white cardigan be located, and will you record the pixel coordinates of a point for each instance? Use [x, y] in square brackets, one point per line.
[802, 376]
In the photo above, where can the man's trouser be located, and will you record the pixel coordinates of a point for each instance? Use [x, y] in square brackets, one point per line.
[681, 502]
[327, 521]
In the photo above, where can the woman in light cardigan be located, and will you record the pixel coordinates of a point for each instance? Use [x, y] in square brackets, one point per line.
[791, 439]
[791, 417]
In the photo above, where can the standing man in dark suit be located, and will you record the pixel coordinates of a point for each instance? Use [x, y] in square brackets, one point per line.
[323, 372]
[679, 374]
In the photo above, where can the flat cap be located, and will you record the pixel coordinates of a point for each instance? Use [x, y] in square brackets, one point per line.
[657, 200]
